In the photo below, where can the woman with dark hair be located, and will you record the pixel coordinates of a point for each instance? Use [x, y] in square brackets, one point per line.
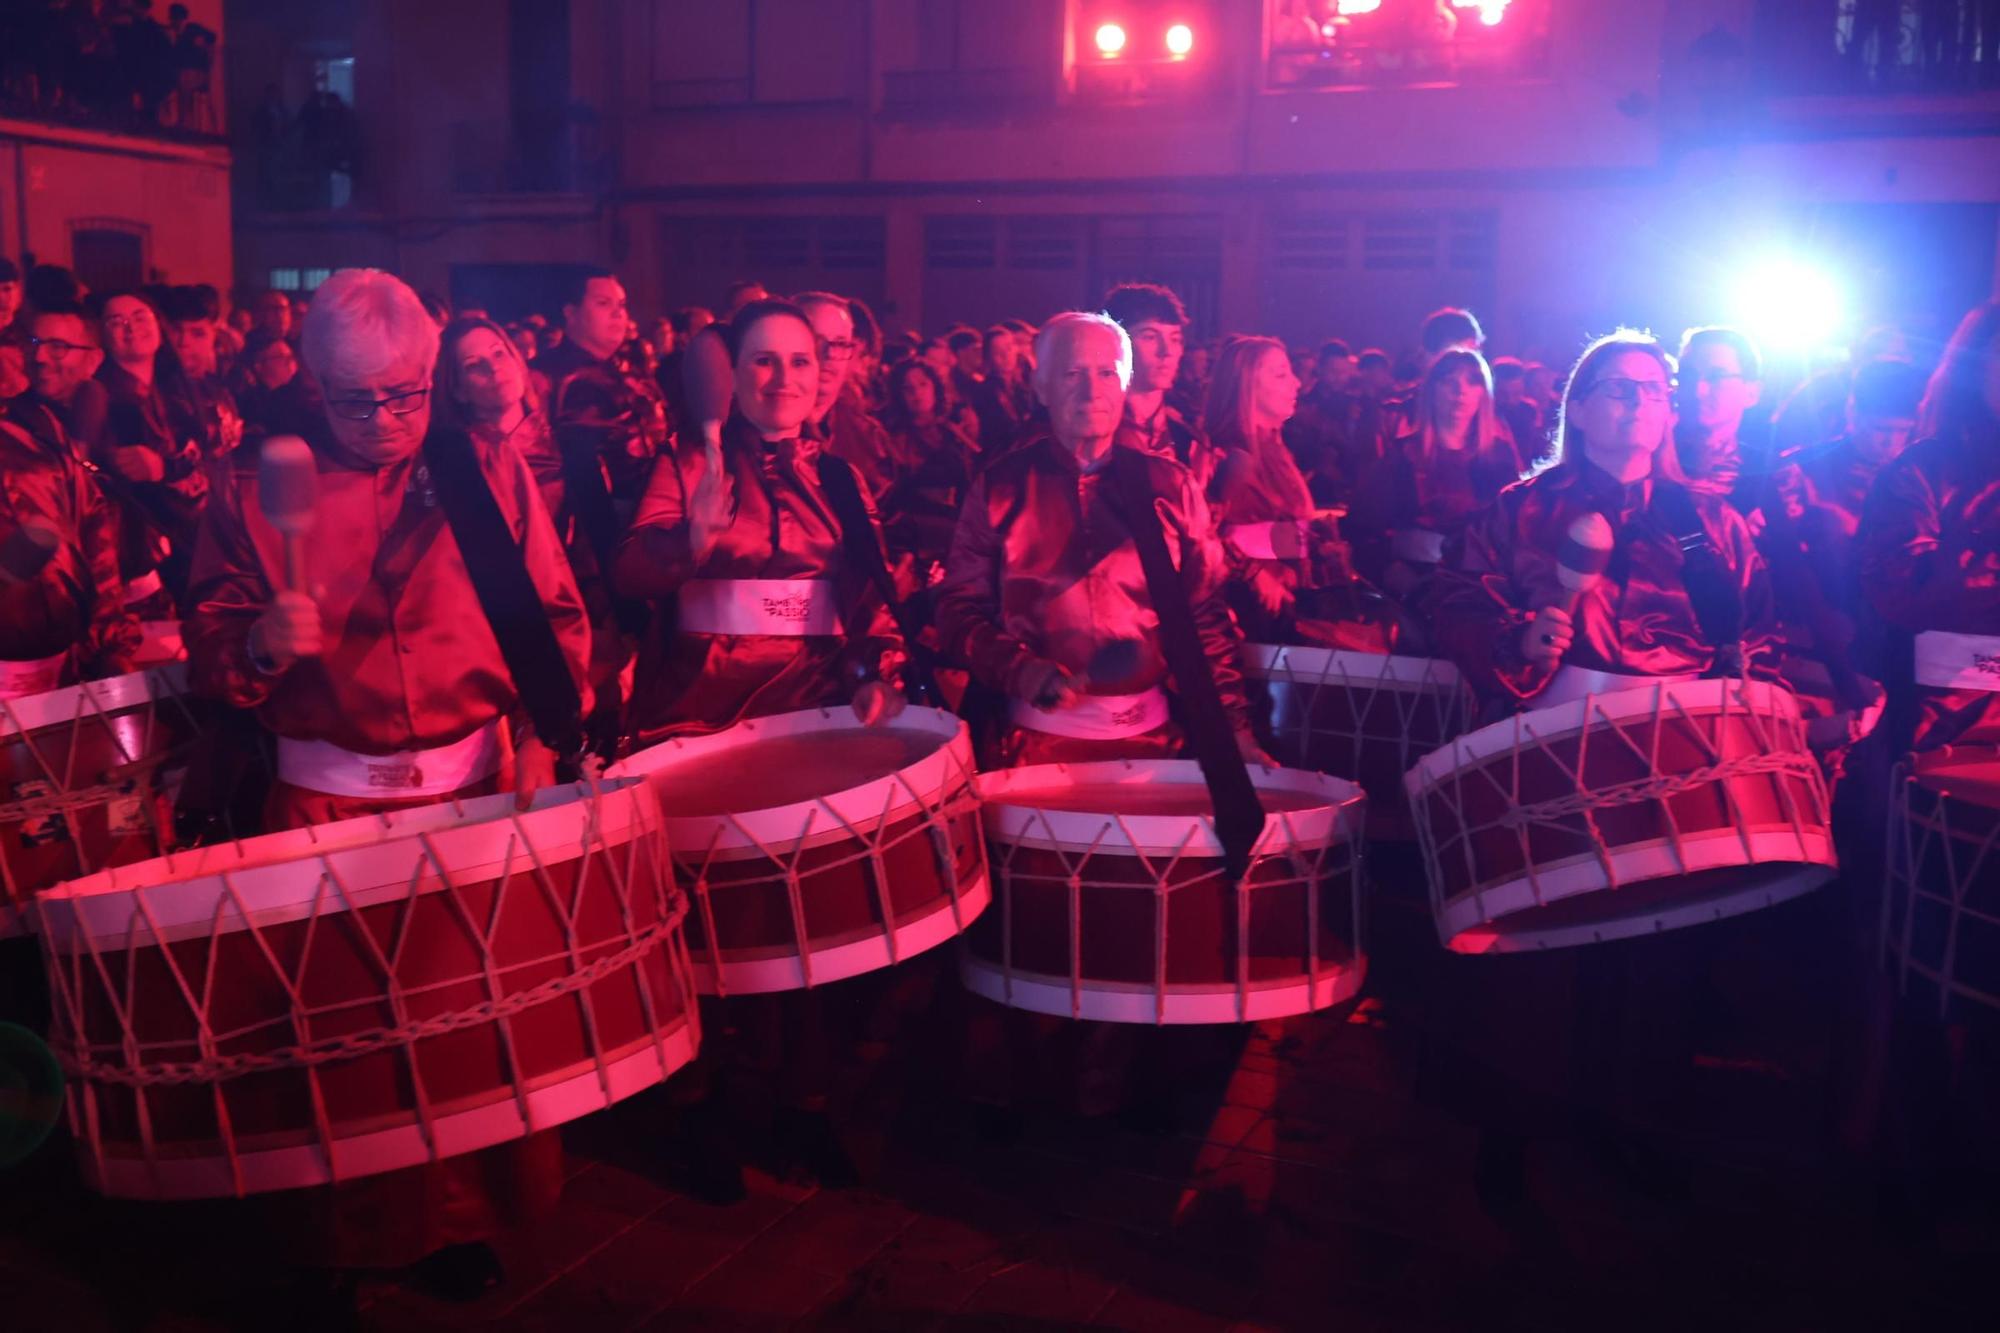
[150, 445]
[934, 462]
[482, 386]
[1930, 548]
[1282, 557]
[752, 506]
[1419, 494]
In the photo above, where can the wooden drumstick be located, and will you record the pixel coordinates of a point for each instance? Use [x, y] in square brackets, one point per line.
[287, 489]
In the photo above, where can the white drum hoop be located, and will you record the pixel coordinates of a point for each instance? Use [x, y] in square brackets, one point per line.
[252, 886]
[1474, 919]
[936, 788]
[1158, 843]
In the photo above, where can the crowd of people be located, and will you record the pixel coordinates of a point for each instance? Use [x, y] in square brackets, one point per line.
[1066, 532]
[109, 61]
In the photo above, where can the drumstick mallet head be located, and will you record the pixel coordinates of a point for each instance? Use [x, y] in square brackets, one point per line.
[27, 551]
[287, 490]
[1583, 555]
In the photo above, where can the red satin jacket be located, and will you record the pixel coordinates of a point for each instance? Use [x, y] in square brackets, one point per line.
[1638, 620]
[1930, 560]
[77, 600]
[411, 661]
[1043, 566]
[783, 528]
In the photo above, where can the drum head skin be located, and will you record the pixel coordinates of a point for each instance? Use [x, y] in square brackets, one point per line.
[815, 848]
[1624, 813]
[1113, 904]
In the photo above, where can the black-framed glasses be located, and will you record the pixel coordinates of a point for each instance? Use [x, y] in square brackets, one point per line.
[837, 349]
[363, 409]
[57, 346]
[1622, 390]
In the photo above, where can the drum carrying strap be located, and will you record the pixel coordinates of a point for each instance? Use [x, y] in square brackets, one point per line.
[1239, 815]
[1711, 587]
[507, 593]
[864, 553]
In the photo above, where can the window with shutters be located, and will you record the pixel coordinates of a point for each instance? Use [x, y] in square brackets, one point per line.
[1399, 241]
[1310, 242]
[961, 241]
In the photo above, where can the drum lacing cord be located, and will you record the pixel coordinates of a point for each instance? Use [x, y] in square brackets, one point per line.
[349, 1046]
[1929, 839]
[120, 780]
[950, 801]
[1449, 701]
[1658, 787]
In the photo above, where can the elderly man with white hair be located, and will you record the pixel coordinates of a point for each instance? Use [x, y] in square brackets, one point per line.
[1044, 594]
[381, 677]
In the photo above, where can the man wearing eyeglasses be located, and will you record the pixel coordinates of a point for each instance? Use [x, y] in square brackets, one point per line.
[386, 686]
[839, 419]
[610, 422]
[1721, 379]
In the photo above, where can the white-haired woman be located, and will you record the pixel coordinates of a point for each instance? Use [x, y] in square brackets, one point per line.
[385, 687]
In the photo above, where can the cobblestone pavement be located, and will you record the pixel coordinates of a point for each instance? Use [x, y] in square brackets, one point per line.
[1293, 1180]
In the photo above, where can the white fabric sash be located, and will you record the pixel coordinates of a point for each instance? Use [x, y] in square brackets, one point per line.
[1096, 717]
[139, 589]
[324, 767]
[18, 680]
[1573, 682]
[1278, 540]
[780, 608]
[1958, 661]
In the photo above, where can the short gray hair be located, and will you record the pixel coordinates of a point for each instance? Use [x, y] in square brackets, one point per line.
[1061, 328]
[361, 320]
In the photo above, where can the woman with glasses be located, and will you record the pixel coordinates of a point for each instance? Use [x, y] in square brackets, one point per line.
[1500, 611]
[149, 446]
[1418, 495]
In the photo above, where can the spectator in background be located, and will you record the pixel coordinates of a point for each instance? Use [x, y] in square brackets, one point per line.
[192, 328]
[934, 467]
[1518, 412]
[741, 293]
[1000, 398]
[194, 65]
[1320, 434]
[1156, 322]
[270, 393]
[1721, 379]
[13, 342]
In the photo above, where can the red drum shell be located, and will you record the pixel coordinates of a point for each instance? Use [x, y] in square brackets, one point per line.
[1365, 717]
[847, 870]
[83, 783]
[441, 917]
[1125, 915]
[1527, 822]
[1941, 914]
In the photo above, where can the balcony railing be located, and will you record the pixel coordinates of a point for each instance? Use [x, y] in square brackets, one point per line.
[1877, 46]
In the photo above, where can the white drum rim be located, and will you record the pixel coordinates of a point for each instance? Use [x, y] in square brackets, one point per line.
[719, 974]
[1024, 824]
[817, 820]
[1029, 825]
[1137, 1002]
[295, 1166]
[1634, 863]
[1711, 697]
[196, 892]
[1789, 881]
[91, 698]
[1302, 664]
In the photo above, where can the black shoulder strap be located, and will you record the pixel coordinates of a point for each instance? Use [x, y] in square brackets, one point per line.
[1239, 814]
[864, 552]
[1711, 587]
[508, 596]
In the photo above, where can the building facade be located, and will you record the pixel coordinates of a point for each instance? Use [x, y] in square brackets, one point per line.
[122, 193]
[1304, 167]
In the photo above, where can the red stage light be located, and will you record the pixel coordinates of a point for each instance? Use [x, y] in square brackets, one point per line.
[1110, 39]
[1180, 39]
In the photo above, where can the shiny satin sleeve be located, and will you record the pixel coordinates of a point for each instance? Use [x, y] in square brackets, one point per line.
[1479, 602]
[657, 554]
[227, 590]
[77, 599]
[968, 600]
[1930, 550]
